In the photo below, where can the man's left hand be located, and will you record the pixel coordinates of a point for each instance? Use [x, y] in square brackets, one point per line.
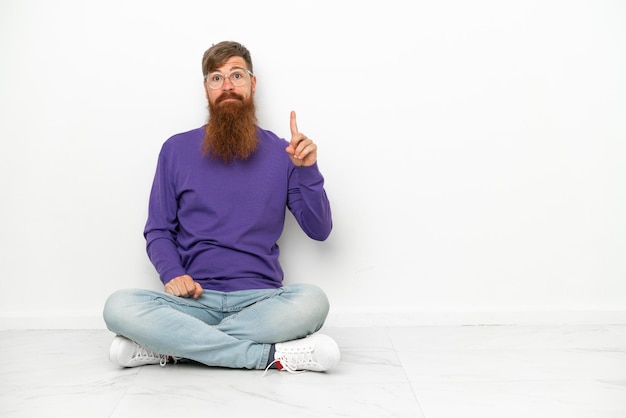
[301, 150]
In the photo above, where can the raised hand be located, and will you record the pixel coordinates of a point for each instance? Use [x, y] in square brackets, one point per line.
[301, 150]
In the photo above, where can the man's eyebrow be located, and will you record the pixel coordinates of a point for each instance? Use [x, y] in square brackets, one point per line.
[231, 69]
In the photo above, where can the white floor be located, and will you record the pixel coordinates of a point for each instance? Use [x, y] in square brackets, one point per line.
[431, 372]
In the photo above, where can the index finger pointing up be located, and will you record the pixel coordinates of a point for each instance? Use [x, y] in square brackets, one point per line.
[293, 124]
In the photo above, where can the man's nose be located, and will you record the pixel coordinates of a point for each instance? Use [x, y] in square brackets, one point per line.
[228, 85]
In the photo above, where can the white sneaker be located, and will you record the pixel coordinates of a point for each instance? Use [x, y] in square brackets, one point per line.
[127, 353]
[317, 352]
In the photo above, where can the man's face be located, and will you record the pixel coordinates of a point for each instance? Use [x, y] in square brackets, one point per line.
[246, 90]
[231, 130]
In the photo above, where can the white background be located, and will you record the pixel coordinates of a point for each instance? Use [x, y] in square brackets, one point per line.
[473, 151]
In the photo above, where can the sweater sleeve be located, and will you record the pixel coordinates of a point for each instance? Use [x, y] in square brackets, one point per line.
[160, 231]
[308, 202]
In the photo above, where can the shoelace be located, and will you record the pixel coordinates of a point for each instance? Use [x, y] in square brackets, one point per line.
[299, 359]
[142, 352]
[284, 367]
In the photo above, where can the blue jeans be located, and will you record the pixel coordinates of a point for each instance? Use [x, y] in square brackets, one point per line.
[225, 329]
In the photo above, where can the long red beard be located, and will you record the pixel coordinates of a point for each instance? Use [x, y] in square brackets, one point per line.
[231, 129]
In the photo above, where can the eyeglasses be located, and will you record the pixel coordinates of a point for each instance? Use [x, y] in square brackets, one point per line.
[238, 77]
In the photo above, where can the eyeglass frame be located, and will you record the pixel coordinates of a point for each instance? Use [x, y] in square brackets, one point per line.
[206, 77]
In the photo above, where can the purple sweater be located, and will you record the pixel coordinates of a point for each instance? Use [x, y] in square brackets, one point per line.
[219, 222]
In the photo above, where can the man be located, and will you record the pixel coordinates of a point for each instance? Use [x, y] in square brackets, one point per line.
[216, 210]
